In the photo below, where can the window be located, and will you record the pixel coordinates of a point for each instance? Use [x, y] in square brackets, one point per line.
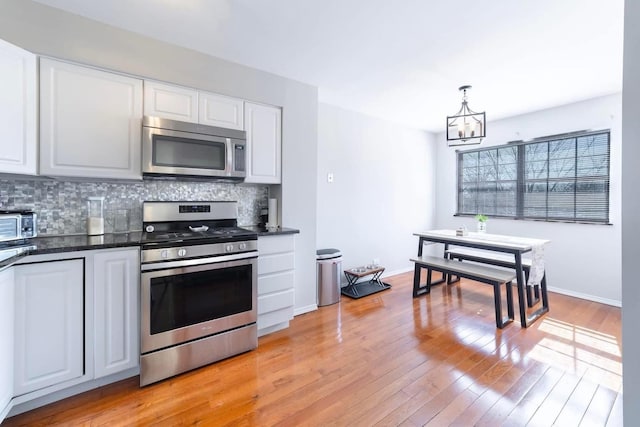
[562, 178]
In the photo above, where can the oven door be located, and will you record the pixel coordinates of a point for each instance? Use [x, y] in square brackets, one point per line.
[185, 303]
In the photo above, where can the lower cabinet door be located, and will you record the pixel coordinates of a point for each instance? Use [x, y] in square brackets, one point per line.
[6, 340]
[116, 277]
[49, 324]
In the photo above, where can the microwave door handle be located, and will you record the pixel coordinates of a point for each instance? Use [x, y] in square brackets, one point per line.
[231, 148]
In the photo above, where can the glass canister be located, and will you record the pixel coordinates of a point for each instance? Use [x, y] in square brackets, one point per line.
[95, 216]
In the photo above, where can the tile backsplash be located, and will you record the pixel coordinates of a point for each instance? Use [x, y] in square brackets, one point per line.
[62, 205]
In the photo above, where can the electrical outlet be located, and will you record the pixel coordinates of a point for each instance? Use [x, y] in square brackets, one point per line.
[330, 177]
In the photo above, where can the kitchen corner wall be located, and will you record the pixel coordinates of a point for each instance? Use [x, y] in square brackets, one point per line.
[383, 188]
[62, 205]
[52, 32]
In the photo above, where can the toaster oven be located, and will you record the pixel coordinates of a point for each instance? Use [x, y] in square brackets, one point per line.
[17, 225]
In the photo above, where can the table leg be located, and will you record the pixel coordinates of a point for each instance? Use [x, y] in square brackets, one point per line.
[525, 320]
[521, 290]
[420, 244]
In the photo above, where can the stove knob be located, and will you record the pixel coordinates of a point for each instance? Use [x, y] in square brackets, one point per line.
[182, 252]
[149, 229]
[164, 253]
[242, 246]
[228, 248]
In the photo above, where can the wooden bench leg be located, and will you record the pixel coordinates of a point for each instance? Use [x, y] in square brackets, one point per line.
[416, 280]
[450, 278]
[510, 311]
[417, 289]
[501, 322]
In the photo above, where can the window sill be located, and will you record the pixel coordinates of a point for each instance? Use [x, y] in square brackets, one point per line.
[564, 221]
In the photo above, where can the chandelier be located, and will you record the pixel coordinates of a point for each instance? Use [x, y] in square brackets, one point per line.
[466, 127]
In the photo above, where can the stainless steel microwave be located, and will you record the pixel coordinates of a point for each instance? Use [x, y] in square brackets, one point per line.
[17, 225]
[170, 147]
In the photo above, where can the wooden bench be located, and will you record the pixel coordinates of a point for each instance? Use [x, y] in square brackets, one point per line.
[479, 273]
[502, 260]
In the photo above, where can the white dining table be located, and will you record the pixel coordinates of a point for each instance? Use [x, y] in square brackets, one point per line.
[515, 245]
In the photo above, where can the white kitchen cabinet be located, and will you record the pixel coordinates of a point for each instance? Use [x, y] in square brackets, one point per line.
[263, 124]
[116, 282]
[219, 110]
[276, 264]
[6, 339]
[191, 105]
[18, 110]
[90, 122]
[49, 324]
[170, 101]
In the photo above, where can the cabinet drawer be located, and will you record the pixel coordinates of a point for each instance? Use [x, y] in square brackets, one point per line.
[275, 244]
[274, 263]
[273, 302]
[273, 318]
[275, 283]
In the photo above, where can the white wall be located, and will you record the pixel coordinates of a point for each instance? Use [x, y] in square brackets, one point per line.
[383, 189]
[583, 259]
[52, 32]
[630, 216]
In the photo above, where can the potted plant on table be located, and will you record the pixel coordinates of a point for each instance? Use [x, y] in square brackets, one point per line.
[482, 223]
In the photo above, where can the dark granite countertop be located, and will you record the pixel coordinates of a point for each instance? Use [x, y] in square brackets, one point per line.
[263, 231]
[11, 253]
[54, 244]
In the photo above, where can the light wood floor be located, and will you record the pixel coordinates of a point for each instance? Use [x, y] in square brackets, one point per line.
[389, 359]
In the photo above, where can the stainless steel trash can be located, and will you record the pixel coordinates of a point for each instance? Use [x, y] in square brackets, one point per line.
[328, 269]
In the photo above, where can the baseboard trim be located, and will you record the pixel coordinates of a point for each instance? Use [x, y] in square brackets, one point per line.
[5, 411]
[584, 296]
[302, 310]
[395, 272]
[273, 328]
[23, 403]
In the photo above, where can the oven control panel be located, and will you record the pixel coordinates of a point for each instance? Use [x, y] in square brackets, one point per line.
[197, 251]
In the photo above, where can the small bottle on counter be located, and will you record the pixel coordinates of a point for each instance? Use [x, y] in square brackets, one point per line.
[95, 216]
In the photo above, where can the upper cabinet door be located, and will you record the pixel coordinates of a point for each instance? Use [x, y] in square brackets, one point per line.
[18, 110]
[170, 102]
[90, 122]
[264, 143]
[223, 111]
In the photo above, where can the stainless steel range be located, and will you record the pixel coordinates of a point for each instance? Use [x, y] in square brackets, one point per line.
[198, 287]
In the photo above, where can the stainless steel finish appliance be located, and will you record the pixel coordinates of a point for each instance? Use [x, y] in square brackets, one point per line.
[198, 287]
[17, 225]
[171, 147]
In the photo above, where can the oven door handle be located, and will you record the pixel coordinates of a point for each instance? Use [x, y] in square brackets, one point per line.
[197, 261]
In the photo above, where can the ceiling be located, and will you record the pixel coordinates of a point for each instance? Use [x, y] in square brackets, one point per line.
[404, 60]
